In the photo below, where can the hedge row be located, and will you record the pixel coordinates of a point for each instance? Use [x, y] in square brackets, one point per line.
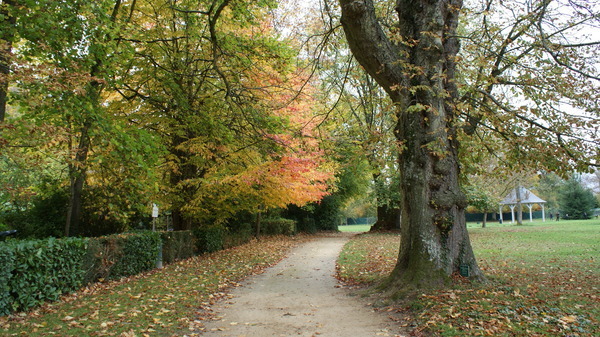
[39, 270]
[177, 245]
[279, 226]
[36, 271]
[116, 256]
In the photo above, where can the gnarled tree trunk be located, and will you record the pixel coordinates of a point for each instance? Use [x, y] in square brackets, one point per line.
[415, 66]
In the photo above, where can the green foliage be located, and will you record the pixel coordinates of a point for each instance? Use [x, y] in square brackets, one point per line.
[8, 265]
[117, 256]
[306, 225]
[42, 270]
[209, 238]
[479, 198]
[277, 226]
[44, 217]
[177, 245]
[576, 202]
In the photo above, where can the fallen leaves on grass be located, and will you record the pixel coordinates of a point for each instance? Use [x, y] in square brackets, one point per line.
[161, 302]
[538, 296]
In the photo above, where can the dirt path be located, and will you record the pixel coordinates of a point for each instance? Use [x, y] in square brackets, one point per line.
[298, 297]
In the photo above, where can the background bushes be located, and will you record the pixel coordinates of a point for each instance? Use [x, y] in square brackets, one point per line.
[209, 238]
[177, 245]
[238, 234]
[277, 226]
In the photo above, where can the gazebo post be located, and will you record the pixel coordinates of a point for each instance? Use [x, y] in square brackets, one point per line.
[512, 213]
[543, 213]
[530, 213]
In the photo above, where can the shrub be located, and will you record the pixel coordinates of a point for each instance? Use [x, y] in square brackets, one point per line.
[209, 239]
[116, 256]
[278, 226]
[238, 235]
[7, 263]
[307, 225]
[177, 245]
[43, 270]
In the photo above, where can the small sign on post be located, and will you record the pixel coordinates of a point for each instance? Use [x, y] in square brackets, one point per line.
[154, 216]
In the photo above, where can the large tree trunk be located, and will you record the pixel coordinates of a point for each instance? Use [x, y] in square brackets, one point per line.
[417, 72]
[388, 219]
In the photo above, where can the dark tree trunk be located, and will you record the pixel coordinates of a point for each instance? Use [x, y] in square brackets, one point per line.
[484, 222]
[78, 174]
[417, 72]
[183, 191]
[388, 219]
[6, 42]
[78, 168]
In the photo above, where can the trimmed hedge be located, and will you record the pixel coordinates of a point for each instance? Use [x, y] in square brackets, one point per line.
[116, 256]
[209, 239]
[278, 226]
[42, 270]
[177, 245]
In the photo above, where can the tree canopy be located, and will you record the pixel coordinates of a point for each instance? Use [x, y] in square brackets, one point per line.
[216, 108]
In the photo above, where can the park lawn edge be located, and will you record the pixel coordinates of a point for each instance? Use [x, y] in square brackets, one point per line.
[547, 285]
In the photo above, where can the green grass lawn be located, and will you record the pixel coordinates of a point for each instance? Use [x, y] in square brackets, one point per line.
[544, 280]
[354, 228]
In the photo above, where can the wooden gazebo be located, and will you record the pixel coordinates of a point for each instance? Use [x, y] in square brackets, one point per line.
[527, 198]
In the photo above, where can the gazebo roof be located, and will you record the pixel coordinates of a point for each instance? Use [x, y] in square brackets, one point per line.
[527, 197]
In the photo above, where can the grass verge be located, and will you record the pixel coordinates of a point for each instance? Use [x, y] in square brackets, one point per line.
[354, 228]
[164, 302]
[544, 281]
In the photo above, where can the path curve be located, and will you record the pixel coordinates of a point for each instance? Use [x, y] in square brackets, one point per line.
[298, 297]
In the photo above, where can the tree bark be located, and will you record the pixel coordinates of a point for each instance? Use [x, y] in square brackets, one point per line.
[6, 42]
[77, 173]
[519, 205]
[388, 219]
[417, 72]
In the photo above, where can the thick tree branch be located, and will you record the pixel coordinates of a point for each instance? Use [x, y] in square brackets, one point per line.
[370, 45]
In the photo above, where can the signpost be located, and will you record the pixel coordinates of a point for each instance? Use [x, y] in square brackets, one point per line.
[154, 216]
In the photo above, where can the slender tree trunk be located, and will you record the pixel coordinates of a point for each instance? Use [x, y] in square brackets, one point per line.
[78, 174]
[484, 222]
[78, 168]
[6, 42]
[519, 205]
[418, 74]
